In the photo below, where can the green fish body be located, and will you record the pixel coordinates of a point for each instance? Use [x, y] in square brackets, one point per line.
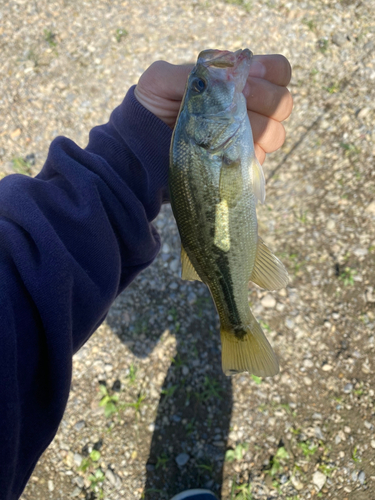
[215, 181]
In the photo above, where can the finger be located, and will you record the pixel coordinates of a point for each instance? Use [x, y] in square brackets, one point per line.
[259, 153]
[268, 99]
[275, 68]
[166, 80]
[268, 133]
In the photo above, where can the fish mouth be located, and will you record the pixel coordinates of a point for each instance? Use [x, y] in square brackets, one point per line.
[224, 58]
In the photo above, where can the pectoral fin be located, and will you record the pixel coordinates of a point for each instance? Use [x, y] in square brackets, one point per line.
[268, 272]
[188, 272]
[259, 183]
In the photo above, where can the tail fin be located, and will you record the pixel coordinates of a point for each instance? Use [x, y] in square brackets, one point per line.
[253, 353]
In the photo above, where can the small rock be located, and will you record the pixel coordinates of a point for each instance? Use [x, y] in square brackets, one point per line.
[165, 248]
[76, 492]
[182, 459]
[192, 298]
[318, 433]
[309, 189]
[110, 476]
[327, 367]
[370, 209]
[77, 459]
[339, 39]
[151, 427]
[362, 477]
[348, 388]
[174, 265]
[338, 439]
[307, 380]
[79, 425]
[354, 476]
[331, 225]
[289, 323]
[307, 363]
[185, 371]
[373, 444]
[268, 301]
[51, 486]
[360, 252]
[297, 483]
[317, 416]
[319, 479]
[363, 112]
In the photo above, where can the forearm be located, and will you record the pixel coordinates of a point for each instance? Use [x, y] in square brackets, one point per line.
[70, 240]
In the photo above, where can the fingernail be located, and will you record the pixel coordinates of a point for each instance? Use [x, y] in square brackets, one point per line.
[257, 69]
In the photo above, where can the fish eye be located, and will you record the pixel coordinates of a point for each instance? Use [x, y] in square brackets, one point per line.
[199, 85]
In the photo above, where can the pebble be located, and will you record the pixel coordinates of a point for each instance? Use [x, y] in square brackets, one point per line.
[318, 433]
[76, 492]
[151, 427]
[51, 486]
[307, 380]
[289, 323]
[77, 459]
[370, 209]
[319, 479]
[182, 459]
[327, 367]
[185, 371]
[308, 363]
[165, 248]
[362, 477]
[192, 298]
[79, 425]
[317, 416]
[174, 265]
[373, 444]
[339, 39]
[309, 189]
[348, 388]
[298, 485]
[268, 301]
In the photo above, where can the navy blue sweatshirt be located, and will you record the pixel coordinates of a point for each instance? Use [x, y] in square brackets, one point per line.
[71, 239]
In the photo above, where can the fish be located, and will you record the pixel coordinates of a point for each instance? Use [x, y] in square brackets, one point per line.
[215, 181]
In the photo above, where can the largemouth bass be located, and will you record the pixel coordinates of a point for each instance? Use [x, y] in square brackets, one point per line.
[215, 181]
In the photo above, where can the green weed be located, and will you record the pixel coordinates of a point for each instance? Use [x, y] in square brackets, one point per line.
[132, 373]
[246, 4]
[50, 38]
[162, 461]
[347, 276]
[355, 456]
[108, 401]
[309, 23]
[350, 149]
[257, 380]
[276, 460]
[333, 88]
[169, 391]
[237, 453]
[241, 492]
[120, 34]
[323, 45]
[307, 448]
[21, 166]
[138, 404]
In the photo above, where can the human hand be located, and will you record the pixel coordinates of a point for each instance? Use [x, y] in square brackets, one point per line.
[161, 88]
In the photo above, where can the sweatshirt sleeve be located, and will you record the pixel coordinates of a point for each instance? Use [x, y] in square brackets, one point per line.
[71, 239]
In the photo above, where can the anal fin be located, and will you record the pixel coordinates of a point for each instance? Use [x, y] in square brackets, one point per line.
[269, 272]
[188, 272]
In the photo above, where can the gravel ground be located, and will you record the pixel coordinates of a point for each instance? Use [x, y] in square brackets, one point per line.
[150, 412]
